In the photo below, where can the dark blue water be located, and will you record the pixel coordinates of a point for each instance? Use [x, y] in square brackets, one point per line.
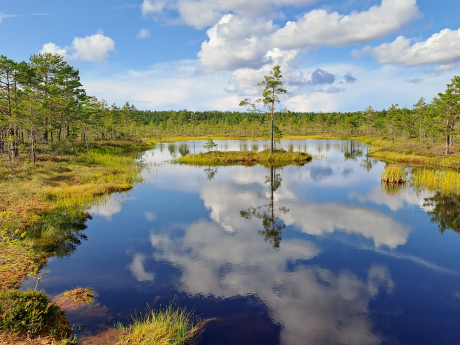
[317, 254]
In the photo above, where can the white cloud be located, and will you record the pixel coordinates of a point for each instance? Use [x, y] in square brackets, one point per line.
[318, 27]
[241, 41]
[441, 48]
[202, 13]
[144, 33]
[53, 49]
[235, 42]
[93, 48]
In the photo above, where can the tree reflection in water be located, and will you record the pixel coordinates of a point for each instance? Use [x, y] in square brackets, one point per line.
[210, 172]
[60, 233]
[445, 211]
[273, 225]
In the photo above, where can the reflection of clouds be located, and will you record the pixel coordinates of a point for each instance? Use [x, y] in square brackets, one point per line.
[150, 216]
[107, 208]
[137, 269]
[317, 219]
[226, 201]
[394, 202]
[317, 173]
[313, 305]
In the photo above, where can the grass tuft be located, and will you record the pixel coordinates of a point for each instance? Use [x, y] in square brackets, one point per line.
[173, 326]
[76, 296]
[394, 174]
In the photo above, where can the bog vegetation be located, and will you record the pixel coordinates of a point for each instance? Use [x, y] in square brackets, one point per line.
[43, 107]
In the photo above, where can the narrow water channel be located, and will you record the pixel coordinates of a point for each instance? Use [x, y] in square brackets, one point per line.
[313, 254]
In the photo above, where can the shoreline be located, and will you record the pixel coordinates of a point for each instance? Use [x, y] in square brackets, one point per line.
[381, 148]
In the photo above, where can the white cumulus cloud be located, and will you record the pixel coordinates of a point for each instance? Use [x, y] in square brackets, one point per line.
[441, 48]
[238, 41]
[93, 48]
[318, 27]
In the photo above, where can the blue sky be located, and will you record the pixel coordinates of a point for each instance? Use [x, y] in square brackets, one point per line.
[209, 54]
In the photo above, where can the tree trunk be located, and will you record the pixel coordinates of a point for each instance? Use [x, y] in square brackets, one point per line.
[447, 138]
[271, 111]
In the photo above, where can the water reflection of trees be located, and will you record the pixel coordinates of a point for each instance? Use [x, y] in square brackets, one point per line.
[60, 233]
[368, 163]
[445, 211]
[271, 222]
[352, 149]
[184, 150]
[210, 172]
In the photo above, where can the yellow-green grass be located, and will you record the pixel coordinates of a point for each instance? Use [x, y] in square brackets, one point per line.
[58, 183]
[173, 326]
[448, 181]
[394, 174]
[76, 296]
[246, 158]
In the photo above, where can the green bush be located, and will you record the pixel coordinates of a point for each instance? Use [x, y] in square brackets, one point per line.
[31, 311]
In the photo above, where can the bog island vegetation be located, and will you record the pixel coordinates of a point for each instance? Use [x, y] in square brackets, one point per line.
[63, 150]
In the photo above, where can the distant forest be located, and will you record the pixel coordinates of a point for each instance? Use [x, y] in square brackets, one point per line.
[43, 106]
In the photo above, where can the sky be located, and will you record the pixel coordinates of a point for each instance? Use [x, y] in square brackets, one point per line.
[210, 54]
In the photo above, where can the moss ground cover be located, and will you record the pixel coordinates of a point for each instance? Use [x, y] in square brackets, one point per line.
[246, 157]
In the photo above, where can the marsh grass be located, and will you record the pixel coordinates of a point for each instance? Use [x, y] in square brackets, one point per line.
[447, 182]
[173, 326]
[394, 174]
[212, 158]
[76, 296]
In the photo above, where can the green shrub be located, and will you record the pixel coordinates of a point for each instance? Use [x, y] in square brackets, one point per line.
[31, 311]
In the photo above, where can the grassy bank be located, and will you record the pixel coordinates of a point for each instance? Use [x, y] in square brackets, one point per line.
[279, 157]
[40, 206]
[42, 214]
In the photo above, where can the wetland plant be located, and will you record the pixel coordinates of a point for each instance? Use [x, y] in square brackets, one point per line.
[447, 182]
[394, 174]
[173, 326]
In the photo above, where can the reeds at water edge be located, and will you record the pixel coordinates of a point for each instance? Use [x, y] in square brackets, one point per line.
[394, 174]
[447, 182]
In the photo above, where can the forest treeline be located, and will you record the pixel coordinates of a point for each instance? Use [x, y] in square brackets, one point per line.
[434, 123]
[44, 107]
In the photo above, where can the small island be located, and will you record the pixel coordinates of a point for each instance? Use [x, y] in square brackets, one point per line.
[278, 157]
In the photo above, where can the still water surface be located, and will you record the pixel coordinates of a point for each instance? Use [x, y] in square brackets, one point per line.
[317, 254]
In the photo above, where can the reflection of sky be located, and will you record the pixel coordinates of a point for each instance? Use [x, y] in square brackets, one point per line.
[355, 265]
